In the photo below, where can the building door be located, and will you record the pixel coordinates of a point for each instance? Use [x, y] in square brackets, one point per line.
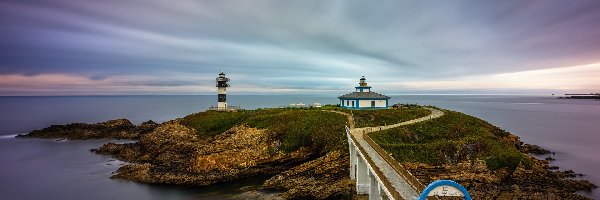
[372, 103]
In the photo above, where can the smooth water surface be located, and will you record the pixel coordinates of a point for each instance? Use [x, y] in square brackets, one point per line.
[39, 169]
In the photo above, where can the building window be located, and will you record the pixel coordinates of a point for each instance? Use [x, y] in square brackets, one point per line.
[347, 102]
[352, 103]
[372, 103]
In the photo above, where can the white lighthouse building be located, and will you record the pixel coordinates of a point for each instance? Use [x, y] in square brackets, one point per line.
[364, 98]
[222, 91]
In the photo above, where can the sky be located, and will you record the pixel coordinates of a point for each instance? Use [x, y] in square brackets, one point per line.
[114, 47]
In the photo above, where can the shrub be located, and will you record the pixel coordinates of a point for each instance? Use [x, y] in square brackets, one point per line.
[211, 123]
[508, 160]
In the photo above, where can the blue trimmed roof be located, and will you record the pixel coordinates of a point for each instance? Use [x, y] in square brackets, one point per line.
[363, 95]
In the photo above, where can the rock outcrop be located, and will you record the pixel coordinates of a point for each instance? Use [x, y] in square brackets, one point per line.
[171, 153]
[322, 178]
[535, 182]
[533, 149]
[174, 154]
[112, 129]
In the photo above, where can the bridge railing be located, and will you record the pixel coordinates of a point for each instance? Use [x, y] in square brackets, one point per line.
[411, 179]
[383, 179]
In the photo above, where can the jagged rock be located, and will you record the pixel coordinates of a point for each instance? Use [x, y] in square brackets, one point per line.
[174, 154]
[257, 195]
[533, 149]
[112, 129]
[125, 152]
[149, 123]
[323, 178]
[535, 182]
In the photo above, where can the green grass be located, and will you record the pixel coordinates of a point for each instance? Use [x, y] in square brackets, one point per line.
[320, 130]
[366, 118]
[211, 123]
[452, 138]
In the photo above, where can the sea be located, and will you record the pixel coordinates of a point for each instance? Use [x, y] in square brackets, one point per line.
[39, 169]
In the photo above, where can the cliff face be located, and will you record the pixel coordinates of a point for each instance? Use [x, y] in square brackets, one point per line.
[322, 178]
[174, 154]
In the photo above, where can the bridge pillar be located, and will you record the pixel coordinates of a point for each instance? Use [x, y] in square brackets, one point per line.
[362, 176]
[373, 187]
[353, 158]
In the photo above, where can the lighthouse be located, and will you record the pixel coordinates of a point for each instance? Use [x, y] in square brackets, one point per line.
[364, 98]
[222, 85]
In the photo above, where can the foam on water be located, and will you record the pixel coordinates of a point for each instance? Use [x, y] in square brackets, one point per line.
[8, 136]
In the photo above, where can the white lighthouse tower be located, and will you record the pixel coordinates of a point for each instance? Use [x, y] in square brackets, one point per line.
[222, 85]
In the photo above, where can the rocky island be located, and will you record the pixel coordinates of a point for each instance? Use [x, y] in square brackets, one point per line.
[303, 152]
[112, 129]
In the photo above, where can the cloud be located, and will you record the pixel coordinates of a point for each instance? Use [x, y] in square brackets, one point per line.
[574, 78]
[69, 84]
[323, 45]
[580, 78]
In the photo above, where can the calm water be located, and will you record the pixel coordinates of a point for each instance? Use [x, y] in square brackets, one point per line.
[48, 169]
[37, 169]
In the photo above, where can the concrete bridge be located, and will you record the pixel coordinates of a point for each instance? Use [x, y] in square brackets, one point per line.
[375, 171]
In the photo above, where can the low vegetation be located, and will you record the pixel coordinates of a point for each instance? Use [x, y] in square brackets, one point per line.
[322, 131]
[452, 138]
[366, 118]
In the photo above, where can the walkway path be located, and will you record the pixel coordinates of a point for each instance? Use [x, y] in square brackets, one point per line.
[435, 113]
[398, 181]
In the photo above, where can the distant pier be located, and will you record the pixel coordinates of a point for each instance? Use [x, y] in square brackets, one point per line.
[582, 96]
